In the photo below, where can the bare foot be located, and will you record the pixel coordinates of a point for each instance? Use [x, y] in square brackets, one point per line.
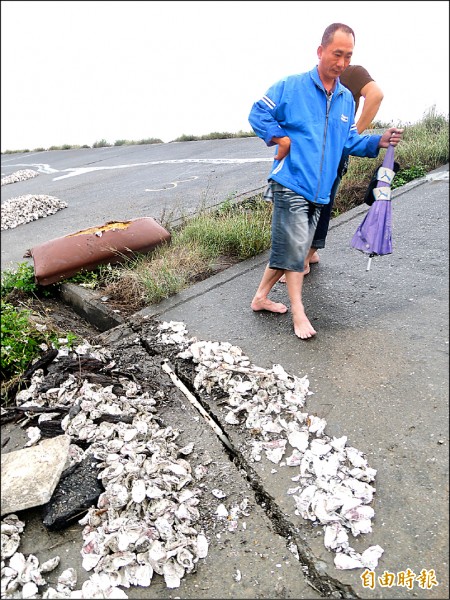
[306, 270]
[266, 304]
[314, 258]
[303, 328]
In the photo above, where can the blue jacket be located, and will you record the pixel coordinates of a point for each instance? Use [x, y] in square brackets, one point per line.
[320, 129]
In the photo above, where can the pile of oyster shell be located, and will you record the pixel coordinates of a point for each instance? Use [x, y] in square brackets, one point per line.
[147, 519]
[22, 577]
[21, 175]
[144, 522]
[333, 484]
[27, 208]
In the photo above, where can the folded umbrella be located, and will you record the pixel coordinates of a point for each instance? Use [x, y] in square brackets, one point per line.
[374, 235]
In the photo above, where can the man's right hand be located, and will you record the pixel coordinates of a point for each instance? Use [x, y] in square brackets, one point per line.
[284, 145]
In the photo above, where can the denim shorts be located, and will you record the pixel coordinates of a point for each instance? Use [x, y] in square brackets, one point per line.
[294, 221]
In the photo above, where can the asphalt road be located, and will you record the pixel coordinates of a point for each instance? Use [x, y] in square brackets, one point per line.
[164, 181]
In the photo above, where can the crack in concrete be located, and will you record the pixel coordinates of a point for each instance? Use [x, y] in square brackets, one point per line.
[319, 581]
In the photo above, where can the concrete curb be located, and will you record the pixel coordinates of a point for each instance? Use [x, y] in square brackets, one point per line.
[86, 304]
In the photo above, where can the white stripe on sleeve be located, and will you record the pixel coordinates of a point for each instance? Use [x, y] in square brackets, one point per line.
[270, 103]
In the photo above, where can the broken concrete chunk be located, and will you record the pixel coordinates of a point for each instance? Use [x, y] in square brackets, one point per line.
[29, 476]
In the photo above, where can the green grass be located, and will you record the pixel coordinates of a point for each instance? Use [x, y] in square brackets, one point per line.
[216, 135]
[234, 231]
[22, 279]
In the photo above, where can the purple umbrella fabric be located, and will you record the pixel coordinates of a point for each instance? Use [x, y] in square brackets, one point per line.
[374, 235]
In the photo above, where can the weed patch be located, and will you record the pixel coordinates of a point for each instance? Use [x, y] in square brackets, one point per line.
[25, 333]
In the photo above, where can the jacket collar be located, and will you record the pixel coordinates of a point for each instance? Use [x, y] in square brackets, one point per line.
[315, 77]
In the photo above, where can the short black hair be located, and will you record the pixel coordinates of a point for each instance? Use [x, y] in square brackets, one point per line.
[329, 32]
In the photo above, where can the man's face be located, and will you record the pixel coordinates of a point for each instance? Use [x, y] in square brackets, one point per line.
[335, 58]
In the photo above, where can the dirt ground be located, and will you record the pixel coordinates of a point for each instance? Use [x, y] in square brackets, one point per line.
[66, 319]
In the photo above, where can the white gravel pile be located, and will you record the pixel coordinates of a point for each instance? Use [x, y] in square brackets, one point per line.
[24, 209]
[19, 176]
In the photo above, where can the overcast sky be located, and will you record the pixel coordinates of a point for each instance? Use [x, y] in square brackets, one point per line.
[78, 72]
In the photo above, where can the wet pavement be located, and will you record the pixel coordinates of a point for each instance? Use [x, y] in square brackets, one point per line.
[378, 373]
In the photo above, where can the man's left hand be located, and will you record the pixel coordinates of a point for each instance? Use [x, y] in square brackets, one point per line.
[391, 136]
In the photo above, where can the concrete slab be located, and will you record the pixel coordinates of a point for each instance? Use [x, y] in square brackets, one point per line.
[30, 475]
[378, 370]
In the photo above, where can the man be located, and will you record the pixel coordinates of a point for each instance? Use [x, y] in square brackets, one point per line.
[358, 80]
[310, 117]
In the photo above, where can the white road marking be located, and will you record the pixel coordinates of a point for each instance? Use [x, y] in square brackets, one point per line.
[75, 172]
[173, 184]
